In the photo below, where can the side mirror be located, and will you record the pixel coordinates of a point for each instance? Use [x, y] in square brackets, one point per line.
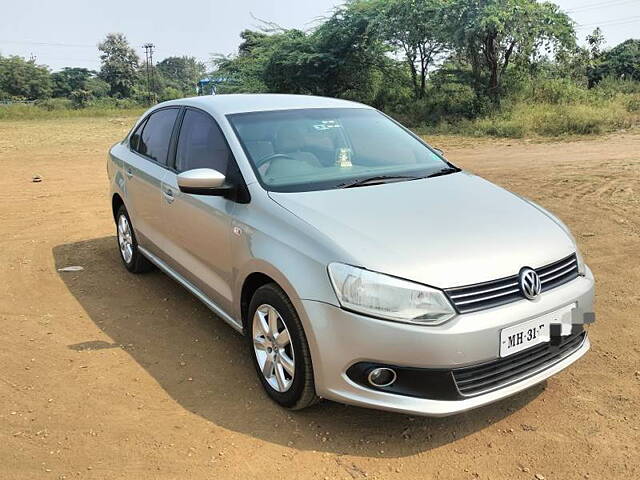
[203, 181]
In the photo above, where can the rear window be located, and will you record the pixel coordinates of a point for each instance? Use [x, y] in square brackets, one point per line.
[156, 135]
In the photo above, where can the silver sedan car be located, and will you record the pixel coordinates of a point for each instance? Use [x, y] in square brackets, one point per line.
[361, 265]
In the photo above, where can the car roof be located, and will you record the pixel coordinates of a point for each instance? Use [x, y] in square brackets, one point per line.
[240, 103]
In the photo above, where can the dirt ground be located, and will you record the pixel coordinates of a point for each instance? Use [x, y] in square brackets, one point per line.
[108, 375]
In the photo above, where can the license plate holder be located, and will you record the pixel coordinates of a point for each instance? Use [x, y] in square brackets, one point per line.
[533, 332]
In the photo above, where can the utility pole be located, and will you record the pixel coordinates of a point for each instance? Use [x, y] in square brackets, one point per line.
[148, 54]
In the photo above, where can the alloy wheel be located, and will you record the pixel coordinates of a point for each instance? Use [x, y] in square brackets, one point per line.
[273, 348]
[125, 239]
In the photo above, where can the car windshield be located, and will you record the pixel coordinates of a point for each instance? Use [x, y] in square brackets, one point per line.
[317, 149]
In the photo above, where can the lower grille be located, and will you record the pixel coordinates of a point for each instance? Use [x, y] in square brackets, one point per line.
[478, 379]
[481, 296]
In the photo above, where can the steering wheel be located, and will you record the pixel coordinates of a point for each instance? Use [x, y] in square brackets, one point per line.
[271, 157]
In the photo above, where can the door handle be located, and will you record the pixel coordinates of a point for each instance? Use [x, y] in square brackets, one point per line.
[128, 172]
[168, 195]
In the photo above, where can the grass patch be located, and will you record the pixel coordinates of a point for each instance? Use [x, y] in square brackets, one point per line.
[594, 116]
[545, 114]
[48, 111]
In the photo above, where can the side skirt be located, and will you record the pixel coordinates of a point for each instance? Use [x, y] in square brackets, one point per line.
[189, 286]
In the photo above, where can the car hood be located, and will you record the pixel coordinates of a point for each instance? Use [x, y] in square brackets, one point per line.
[446, 231]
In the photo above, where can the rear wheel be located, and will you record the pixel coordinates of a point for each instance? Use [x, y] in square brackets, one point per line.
[279, 349]
[133, 260]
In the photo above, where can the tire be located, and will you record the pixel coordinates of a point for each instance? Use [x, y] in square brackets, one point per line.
[131, 257]
[299, 391]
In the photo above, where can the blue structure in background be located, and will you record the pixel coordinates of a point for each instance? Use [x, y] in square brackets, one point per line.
[209, 86]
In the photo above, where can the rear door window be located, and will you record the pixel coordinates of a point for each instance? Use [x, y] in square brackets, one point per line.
[134, 140]
[156, 135]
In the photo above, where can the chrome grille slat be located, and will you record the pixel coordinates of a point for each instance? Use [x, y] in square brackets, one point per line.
[571, 263]
[488, 297]
[564, 272]
[462, 295]
[485, 295]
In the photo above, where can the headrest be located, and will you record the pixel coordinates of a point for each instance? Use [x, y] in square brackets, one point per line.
[201, 132]
[256, 132]
[289, 138]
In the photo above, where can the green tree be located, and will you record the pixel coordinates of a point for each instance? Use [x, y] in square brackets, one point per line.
[246, 70]
[349, 55]
[119, 65]
[293, 65]
[181, 73]
[69, 79]
[343, 57]
[595, 41]
[97, 87]
[622, 61]
[494, 34]
[416, 29]
[24, 79]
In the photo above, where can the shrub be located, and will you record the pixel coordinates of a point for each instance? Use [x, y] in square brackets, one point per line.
[610, 87]
[556, 91]
[114, 103]
[632, 103]
[498, 127]
[549, 119]
[451, 101]
[51, 104]
[170, 93]
[80, 98]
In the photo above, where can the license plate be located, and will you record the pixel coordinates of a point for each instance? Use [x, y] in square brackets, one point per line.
[532, 332]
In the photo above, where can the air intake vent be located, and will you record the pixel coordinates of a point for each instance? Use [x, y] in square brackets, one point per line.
[482, 378]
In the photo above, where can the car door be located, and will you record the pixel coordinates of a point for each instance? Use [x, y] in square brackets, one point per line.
[198, 227]
[145, 166]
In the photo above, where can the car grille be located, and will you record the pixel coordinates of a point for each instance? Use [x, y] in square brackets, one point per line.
[478, 379]
[481, 296]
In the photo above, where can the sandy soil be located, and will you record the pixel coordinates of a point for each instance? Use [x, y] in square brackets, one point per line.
[108, 375]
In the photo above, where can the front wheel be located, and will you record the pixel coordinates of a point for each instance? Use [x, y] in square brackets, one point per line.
[279, 349]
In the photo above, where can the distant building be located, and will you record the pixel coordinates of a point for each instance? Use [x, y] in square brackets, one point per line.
[209, 86]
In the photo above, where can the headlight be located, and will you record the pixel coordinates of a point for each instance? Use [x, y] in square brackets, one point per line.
[388, 297]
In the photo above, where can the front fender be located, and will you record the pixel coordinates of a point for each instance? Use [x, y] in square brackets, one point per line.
[268, 239]
[299, 275]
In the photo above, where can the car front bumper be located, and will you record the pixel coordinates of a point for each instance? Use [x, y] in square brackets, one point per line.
[339, 339]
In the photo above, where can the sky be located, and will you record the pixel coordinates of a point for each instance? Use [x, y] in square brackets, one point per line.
[66, 32]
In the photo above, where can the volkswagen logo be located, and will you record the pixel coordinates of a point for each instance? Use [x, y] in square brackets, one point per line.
[530, 283]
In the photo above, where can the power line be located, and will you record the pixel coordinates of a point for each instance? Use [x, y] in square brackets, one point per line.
[163, 51]
[617, 21]
[608, 3]
[72, 45]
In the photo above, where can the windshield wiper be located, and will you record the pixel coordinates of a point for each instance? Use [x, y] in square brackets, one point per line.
[444, 171]
[376, 180]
